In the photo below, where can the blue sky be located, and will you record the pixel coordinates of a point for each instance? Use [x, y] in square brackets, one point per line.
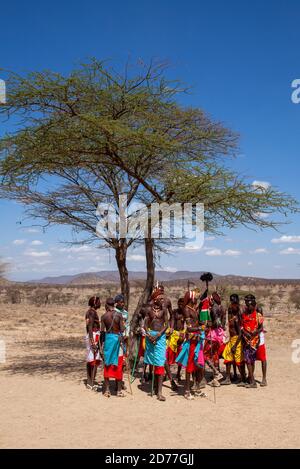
[240, 57]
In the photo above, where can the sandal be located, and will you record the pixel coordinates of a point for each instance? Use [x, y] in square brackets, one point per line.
[225, 382]
[107, 394]
[121, 394]
[251, 385]
[161, 398]
[188, 396]
[219, 376]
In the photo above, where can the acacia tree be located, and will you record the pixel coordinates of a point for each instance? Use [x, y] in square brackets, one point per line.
[84, 139]
[95, 133]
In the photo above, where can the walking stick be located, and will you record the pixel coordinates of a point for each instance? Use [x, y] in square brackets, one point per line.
[128, 368]
[215, 397]
[152, 382]
[135, 360]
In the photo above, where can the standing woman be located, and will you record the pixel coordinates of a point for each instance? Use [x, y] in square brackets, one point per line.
[92, 340]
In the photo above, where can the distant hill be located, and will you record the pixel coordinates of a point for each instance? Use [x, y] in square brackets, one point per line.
[110, 276]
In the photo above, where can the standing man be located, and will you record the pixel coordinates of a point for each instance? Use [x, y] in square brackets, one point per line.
[156, 324]
[261, 354]
[214, 344]
[92, 340]
[113, 325]
[165, 300]
[251, 326]
[176, 337]
[233, 352]
[119, 307]
[191, 355]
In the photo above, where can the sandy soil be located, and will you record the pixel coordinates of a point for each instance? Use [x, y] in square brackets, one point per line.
[44, 402]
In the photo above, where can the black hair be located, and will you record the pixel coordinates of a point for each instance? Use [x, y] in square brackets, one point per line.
[234, 298]
[94, 301]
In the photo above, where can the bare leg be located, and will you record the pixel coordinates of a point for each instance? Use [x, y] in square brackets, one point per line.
[106, 391]
[143, 378]
[264, 373]
[120, 393]
[187, 391]
[179, 373]
[168, 370]
[199, 378]
[235, 376]
[88, 374]
[252, 383]
[242, 371]
[227, 380]
[160, 397]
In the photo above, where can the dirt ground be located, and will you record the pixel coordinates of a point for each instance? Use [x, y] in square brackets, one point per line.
[44, 403]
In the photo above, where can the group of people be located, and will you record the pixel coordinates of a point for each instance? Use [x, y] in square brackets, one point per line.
[194, 336]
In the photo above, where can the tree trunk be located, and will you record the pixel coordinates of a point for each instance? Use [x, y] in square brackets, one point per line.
[144, 298]
[121, 254]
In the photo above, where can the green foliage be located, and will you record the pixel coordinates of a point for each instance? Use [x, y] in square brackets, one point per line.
[89, 136]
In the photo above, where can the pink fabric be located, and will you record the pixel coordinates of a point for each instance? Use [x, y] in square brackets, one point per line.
[216, 335]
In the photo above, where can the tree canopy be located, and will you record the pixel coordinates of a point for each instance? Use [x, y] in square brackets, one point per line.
[89, 136]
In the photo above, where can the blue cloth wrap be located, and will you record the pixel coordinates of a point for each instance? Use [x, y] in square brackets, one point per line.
[155, 354]
[183, 356]
[111, 349]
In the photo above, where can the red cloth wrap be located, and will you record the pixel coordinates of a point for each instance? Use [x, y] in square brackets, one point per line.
[113, 371]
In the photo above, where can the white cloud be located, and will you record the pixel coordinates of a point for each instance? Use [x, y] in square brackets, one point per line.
[218, 252]
[36, 242]
[290, 251]
[260, 251]
[37, 253]
[18, 242]
[286, 239]
[214, 252]
[83, 248]
[232, 252]
[136, 257]
[189, 247]
[210, 238]
[261, 185]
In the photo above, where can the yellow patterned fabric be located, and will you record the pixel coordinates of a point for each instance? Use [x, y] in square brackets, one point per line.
[174, 338]
[236, 357]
